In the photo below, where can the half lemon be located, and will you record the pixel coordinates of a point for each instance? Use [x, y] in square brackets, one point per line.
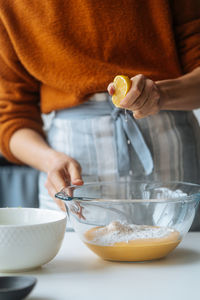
[122, 85]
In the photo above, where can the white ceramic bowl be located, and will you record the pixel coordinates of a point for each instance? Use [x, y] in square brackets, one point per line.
[29, 237]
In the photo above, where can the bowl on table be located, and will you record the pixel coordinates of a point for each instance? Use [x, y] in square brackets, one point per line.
[131, 220]
[29, 237]
[16, 287]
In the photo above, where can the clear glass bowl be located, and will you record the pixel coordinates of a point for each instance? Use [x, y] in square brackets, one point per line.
[131, 220]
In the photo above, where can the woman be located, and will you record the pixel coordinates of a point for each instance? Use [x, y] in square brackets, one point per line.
[59, 57]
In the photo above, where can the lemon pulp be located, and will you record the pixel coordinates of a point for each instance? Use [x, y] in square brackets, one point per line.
[122, 85]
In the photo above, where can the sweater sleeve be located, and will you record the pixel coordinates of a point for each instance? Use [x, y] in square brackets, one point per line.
[186, 20]
[19, 96]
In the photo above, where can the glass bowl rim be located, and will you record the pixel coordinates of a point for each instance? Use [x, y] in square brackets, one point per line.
[62, 195]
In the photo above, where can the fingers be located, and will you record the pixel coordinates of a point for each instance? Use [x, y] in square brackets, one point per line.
[74, 170]
[138, 84]
[63, 172]
[52, 191]
[111, 89]
[59, 178]
[151, 106]
[143, 97]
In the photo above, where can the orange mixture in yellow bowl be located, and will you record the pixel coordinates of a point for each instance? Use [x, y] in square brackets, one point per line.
[129, 242]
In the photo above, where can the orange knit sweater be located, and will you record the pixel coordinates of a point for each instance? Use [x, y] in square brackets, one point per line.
[55, 53]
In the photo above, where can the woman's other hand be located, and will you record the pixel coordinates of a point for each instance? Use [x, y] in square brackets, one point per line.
[142, 98]
[62, 172]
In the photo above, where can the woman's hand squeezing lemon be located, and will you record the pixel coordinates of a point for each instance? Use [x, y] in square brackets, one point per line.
[138, 94]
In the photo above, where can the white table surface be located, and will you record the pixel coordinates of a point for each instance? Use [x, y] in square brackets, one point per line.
[77, 273]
